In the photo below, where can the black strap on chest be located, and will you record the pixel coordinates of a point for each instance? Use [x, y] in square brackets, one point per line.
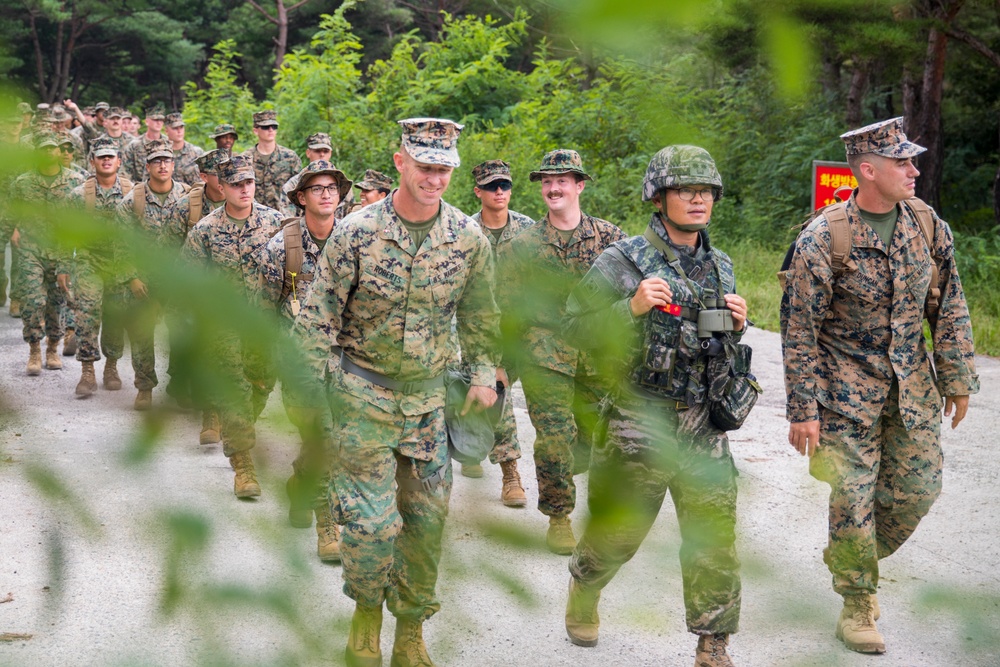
[675, 263]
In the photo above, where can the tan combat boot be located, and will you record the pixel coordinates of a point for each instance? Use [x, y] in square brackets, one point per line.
[88, 381]
[560, 539]
[472, 470]
[582, 621]
[52, 360]
[512, 493]
[327, 536]
[856, 625]
[300, 513]
[409, 650]
[143, 400]
[211, 430]
[35, 359]
[712, 651]
[69, 343]
[15, 308]
[111, 380]
[245, 485]
[363, 645]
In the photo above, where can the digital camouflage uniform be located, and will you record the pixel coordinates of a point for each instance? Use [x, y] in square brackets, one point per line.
[274, 170]
[856, 360]
[390, 307]
[156, 229]
[185, 165]
[134, 158]
[243, 367]
[98, 290]
[559, 381]
[40, 257]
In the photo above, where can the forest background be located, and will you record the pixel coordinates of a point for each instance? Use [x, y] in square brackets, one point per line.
[766, 87]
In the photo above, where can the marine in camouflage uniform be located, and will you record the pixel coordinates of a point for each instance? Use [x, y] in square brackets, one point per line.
[388, 302]
[153, 226]
[560, 383]
[287, 278]
[240, 363]
[374, 186]
[858, 378]
[8, 144]
[272, 169]
[493, 187]
[41, 257]
[658, 434]
[97, 284]
[134, 156]
[185, 167]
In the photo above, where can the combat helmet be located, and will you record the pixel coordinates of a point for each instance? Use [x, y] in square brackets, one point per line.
[680, 166]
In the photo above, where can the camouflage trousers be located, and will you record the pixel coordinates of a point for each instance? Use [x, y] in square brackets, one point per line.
[316, 456]
[564, 427]
[242, 378]
[41, 299]
[89, 288]
[505, 444]
[651, 448]
[124, 313]
[182, 342]
[391, 540]
[15, 269]
[883, 479]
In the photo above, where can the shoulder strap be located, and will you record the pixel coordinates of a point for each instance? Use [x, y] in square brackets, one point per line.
[922, 212]
[292, 232]
[840, 235]
[139, 200]
[196, 198]
[126, 184]
[90, 193]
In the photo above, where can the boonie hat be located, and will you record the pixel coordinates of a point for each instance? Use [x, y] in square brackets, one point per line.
[301, 180]
[560, 161]
[432, 140]
[223, 130]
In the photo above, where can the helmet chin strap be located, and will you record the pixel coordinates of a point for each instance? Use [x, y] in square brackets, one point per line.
[696, 227]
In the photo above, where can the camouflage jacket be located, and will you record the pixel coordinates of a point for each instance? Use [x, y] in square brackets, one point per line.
[273, 270]
[185, 168]
[92, 132]
[44, 197]
[390, 306]
[134, 159]
[541, 272]
[182, 209]
[158, 227]
[516, 222]
[237, 251]
[851, 336]
[108, 252]
[599, 314]
[272, 172]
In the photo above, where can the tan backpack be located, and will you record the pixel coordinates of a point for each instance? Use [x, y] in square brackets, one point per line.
[90, 191]
[139, 198]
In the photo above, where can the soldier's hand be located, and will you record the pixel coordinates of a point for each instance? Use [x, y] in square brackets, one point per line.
[62, 280]
[960, 404]
[70, 104]
[15, 238]
[138, 288]
[502, 377]
[738, 306]
[652, 292]
[478, 399]
[804, 437]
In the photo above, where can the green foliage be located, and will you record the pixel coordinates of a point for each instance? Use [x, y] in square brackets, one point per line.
[219, 100]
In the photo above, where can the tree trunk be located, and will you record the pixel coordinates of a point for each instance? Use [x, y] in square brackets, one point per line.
[856, 94]
[282, 41]
[39, 60]
[928, 130]
[996, 197]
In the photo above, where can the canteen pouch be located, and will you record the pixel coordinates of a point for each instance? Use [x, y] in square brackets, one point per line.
[733, 389]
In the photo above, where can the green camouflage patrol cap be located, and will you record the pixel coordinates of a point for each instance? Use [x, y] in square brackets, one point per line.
[64, 138]
[103, 146]
[44, 138]
[24, 108]
[885, 138]
[491, 170]
[156, 112]
[208, 163]
[319, 140]
[223, 130]
[236, 169]
[157, 149]
[560, 161]
[89, 111]
[102, 106]
[115, 112]
[317, 168]
[265, 118]
[431, 140]
[374, 180]
[175, 120]
[678, 167]
[59, 114]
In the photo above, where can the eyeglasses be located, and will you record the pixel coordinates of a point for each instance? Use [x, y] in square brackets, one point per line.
[688, 194]
[161, 160]
[496, 185]
[320, 190]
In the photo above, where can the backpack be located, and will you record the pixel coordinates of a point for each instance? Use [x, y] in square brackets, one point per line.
[90, 191]
[139, 198]
[840, 250]
[291, 232]
[196, 198]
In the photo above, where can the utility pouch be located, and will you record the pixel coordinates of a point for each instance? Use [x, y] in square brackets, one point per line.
[733, 389]
[660, 344]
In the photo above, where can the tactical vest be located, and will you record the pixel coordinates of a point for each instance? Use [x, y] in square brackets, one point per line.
[671, 362]
[90, 191]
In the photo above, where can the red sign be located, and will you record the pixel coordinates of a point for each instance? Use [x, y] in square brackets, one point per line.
[831, 181]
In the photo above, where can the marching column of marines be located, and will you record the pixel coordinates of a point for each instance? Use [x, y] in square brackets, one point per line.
[627, 348]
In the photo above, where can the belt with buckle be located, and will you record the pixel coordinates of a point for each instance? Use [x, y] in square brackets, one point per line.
[386, 382]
